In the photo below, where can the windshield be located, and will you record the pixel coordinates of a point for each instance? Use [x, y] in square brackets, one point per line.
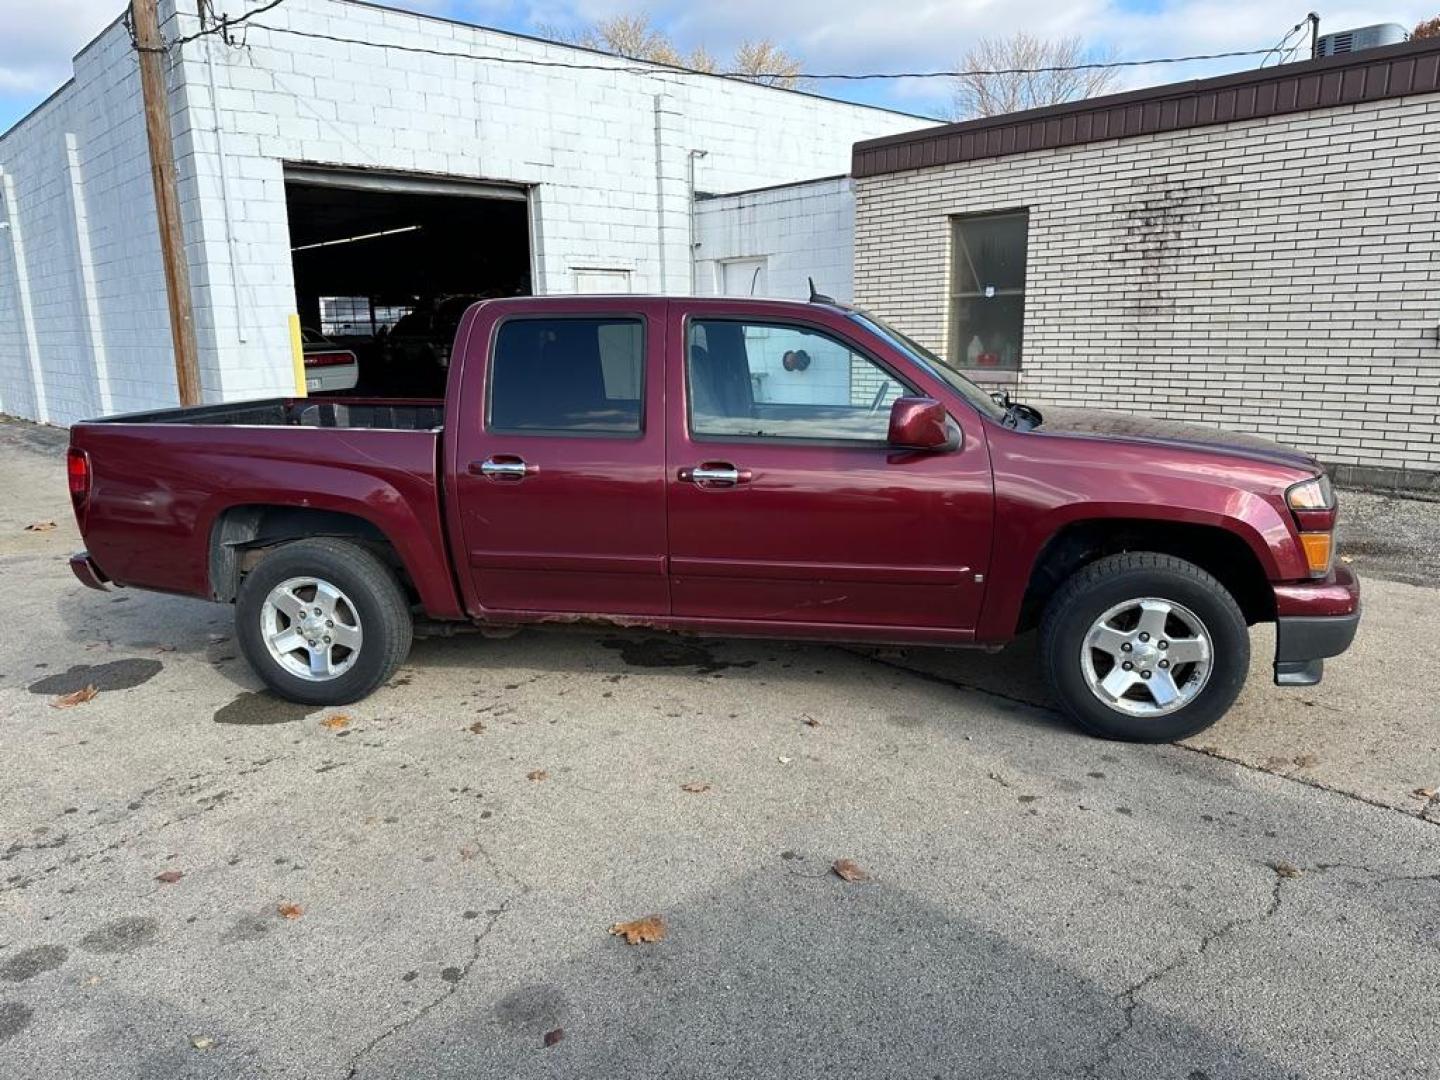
[931, 363]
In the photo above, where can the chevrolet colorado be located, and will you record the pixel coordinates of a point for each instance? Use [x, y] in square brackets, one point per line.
[725, 467]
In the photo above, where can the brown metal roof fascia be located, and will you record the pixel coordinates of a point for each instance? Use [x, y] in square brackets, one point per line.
[1373, 75]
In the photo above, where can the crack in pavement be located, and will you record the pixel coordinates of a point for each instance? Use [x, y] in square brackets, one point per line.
[1204, 751]
[1129, 997]
[444, 995]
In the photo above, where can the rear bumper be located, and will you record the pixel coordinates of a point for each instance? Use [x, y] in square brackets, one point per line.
[1314, 622]
[90, 575]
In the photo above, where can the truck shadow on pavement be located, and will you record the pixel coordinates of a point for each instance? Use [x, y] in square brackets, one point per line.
[795, 973]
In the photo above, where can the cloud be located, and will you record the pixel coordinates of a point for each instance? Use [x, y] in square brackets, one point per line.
[40, 38]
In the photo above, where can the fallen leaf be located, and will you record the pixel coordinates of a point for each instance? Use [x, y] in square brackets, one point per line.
[290, 911]
[336, 722]
[784, 760]
[468, 853]
[695, 787]
[1286, 870]
[477, 727]
[201, 1042]
[90, 980]
[649, 929]
[1346, 559]
[999, 779]
[552, 1037]
[169, 877]
[809, 721]
[849, 870]
[1307, 761]
[537, 774]
[1425, 792]
[40, 526]
[79, 697]
[164, 648]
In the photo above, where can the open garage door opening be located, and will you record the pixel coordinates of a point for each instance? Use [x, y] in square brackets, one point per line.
[385, 265]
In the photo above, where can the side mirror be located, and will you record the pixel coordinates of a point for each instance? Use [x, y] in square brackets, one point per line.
[921, 423]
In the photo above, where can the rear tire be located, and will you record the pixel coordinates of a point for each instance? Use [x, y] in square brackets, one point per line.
[1144, 647]
[323, 621]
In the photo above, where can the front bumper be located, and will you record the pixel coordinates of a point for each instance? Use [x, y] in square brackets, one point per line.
[1314, 621]
[90, 575]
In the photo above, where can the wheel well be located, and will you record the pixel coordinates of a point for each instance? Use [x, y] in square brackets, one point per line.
[1216, 551]
[242, 534]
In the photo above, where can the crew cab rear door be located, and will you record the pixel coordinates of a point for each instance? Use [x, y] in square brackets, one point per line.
[556, 458]
[788, 506]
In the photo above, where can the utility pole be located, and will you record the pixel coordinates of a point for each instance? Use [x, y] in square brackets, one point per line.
[151, 48]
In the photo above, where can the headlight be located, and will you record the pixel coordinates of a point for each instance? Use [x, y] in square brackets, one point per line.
[1315, 494]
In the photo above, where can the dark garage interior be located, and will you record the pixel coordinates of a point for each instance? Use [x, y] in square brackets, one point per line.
[385, 267]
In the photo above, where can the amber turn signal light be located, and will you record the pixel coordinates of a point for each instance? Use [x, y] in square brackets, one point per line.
[1318, 547]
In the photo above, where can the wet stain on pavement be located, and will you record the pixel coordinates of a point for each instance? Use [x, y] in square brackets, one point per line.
[14, 1018]
[451, 974]
[248, 928]
[122, 935]
[537, 1007]
[116, 675]
[260, 707]
[666, 652]
[36, 960]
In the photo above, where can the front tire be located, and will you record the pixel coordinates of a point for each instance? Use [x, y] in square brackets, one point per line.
[322, 621]
[1144, 647]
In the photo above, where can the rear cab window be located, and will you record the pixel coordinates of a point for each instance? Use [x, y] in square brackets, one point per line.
[568, 376]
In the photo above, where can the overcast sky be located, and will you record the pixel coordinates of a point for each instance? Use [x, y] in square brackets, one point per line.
[38, 37]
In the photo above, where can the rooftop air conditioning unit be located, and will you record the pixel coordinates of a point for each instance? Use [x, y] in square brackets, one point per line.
[1366, 37]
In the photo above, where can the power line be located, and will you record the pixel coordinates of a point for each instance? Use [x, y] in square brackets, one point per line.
[225, 24]
[650, 68]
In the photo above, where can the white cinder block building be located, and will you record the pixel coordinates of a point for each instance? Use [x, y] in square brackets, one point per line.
[448, 161]
[1259, 251]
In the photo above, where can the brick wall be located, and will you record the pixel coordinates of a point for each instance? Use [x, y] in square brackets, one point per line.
[1278, 276]
[605, 155]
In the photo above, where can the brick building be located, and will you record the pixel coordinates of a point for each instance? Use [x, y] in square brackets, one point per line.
[1259, 251]
[450, 160]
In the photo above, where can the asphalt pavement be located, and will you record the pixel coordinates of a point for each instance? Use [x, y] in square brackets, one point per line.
[198, 880]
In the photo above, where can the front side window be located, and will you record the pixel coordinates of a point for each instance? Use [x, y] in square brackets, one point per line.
[773, 380]
[987, 291]
[568, 376]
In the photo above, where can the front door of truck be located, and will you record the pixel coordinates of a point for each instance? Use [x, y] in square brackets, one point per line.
[559, 458]
[787, 505]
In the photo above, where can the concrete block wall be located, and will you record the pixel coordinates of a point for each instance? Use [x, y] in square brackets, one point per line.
[604, 153]
[84, 328]
[1279, 276]
[801, 231]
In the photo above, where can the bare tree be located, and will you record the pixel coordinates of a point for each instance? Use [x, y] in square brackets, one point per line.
[1427, 29]
[1026, 72]
[636, 37]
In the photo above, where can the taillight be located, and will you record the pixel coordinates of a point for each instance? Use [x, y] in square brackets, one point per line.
[328, 359]
[1312, 502]
[77, 473]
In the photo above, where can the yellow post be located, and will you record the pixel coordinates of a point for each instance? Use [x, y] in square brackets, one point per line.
[297, 354]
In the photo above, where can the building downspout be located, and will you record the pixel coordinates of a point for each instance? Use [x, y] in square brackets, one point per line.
[693, 244]
[659, 100]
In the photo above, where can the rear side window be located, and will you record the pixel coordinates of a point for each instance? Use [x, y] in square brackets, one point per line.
[562, 376]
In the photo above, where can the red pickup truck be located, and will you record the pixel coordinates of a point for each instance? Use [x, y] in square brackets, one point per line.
[725, 467]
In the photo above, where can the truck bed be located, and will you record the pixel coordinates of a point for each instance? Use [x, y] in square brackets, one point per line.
[393, 414]
[170, 489]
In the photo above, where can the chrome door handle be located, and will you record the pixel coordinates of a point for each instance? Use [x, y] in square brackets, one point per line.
[715, 474]
[505, 468]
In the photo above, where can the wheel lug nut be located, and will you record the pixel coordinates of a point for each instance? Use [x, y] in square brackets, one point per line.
[317, 611]
[1164, 644]
[327, 639]
[1144, 674]
[1143, 637]
[331, 622]
[1163, 663]
[1128, 666]
[1127, 647]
